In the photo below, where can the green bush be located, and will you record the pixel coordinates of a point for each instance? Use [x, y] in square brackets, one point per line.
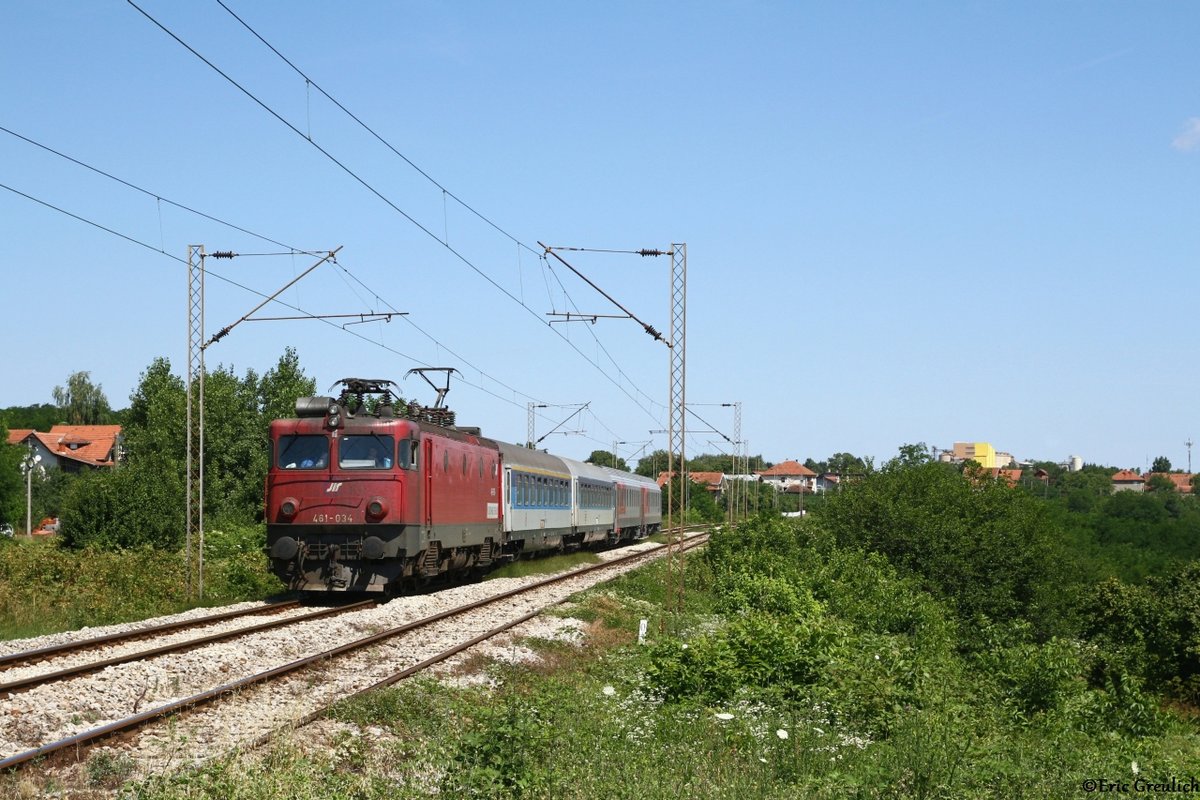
[989, 550]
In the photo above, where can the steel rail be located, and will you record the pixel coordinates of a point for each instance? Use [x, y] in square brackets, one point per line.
[48, 677]
[96, 641]
[456, 649]
[168, 709]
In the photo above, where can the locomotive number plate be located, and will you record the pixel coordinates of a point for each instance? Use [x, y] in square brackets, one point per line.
[333, 518]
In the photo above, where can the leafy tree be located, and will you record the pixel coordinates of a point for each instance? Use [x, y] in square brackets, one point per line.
[989, 549]
[652, 464]
[846, 464]
[12, 500]
[1160, 484]
[235, 445]
[1161, 464]
[139, 504]
[81, 402]
[912, 455]
[711, 462]
[1196, 483]
[282, 385]
[605, 458]
[143, 502]
[157, 415]
[40, 417]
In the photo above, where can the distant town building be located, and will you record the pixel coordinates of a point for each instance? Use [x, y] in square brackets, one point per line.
[789, 476]
[981, 453]
[1128, 481]
[1181, 480]
[713, 482]
[72, 448]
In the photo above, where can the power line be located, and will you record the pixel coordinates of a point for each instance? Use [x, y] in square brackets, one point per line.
[148, 193]
[292, 250]
[378, 193]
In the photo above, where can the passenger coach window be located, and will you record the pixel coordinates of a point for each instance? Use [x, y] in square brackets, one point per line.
[366, 452]
[303, 452]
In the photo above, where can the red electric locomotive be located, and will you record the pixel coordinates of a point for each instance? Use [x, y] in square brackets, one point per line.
[361, 500]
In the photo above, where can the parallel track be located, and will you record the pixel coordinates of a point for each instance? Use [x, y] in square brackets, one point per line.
[79, 741]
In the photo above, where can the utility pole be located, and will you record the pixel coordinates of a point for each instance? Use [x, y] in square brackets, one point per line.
[529, 425]
[196, 345]
[676, 427]
[194, 479]
[677, 406]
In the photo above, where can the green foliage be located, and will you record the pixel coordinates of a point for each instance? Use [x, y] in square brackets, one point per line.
[500, 753]
[654, 463]
[841, 464]
[1161, 464]
[988, 549]
[605, 458]
[39, 417]
[82, 403]
[1032, 677]
[137, 504]
[1150, 632]
[831, 674]
[142, 502]
[45, 587]
[12, 500]
[753, 652]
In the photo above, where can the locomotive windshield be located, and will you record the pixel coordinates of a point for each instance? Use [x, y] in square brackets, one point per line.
[366, 452]
[303, 452]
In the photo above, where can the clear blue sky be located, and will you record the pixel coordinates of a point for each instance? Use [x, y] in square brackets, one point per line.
[905, 221]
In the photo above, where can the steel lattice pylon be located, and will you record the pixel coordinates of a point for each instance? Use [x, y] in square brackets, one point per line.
[195, 415]
[676, 428]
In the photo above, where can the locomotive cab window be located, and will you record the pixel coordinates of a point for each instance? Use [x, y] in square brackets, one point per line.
[408, 454]
[302, 452]
[366, 452]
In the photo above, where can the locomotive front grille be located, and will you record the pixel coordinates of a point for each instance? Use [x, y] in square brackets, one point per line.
[348, 550]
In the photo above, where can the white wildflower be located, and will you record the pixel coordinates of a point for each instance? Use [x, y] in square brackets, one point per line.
[763, 760]
[781, 733]
[819, 731]
[724, 716]
[685, 646]
[1134, 767]
[608, 691]
[877, 656]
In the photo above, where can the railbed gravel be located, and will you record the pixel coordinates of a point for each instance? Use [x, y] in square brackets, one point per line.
[66, 708]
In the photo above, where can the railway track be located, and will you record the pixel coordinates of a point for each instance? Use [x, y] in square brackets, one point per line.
[297, 690]
[9, 685]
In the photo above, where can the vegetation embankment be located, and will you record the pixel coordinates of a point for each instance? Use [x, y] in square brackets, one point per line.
[45, 587]
[923, 634]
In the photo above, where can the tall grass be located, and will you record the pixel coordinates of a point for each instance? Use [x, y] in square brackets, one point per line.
[46, 588]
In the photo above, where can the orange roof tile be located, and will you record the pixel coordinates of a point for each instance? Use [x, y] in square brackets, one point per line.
[1127, 476]
[788, 468]
[1182, 480]
[18, 435]
[90, 444]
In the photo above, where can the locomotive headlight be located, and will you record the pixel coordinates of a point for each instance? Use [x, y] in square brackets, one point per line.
[289, 507]
[376, 508]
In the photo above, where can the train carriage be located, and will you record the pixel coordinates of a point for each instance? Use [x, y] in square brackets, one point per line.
[593, 507]
[638, 505]
[537, 499]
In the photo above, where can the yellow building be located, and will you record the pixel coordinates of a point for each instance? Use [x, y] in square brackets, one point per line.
[980, 452]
